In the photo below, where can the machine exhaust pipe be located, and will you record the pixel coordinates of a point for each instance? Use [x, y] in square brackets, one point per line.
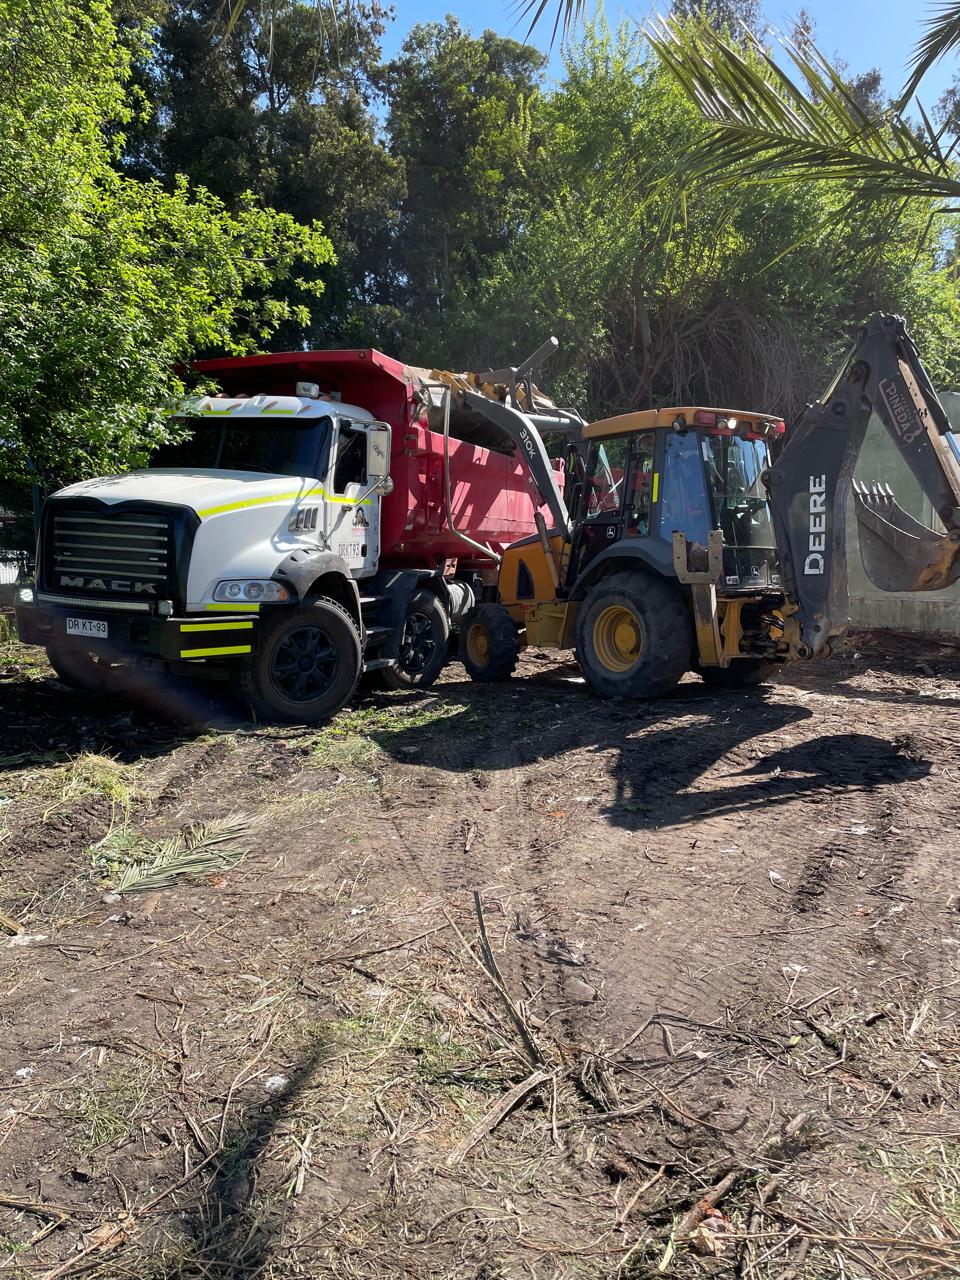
[899, 553]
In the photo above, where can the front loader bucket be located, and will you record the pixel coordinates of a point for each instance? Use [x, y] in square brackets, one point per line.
[898, 552]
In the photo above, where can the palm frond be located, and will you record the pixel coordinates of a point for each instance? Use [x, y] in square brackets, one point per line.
[768, 125]
[942, 35]
[135, 865]
[568, 14]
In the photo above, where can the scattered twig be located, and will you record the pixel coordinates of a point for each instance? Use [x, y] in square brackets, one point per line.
[377, 951]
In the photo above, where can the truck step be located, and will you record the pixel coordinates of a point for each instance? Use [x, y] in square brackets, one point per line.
[377, 664]
[378, 633]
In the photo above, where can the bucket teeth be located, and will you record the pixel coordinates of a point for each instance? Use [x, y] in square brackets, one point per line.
[899, 552]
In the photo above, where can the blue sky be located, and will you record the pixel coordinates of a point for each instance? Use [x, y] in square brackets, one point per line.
[865, 33]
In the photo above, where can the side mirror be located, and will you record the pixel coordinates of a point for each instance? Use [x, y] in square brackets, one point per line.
[378, 455]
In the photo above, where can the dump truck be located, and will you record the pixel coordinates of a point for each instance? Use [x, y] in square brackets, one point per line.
[327, 513]
[714, 540]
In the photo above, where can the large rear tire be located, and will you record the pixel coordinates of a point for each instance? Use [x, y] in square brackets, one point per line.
[489, 647]
[307, 664]
[87, 669]
[742, 673]
[634, 636]
[423, 646]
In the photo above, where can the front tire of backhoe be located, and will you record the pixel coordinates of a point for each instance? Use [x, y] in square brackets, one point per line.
[489, 648]
[634, 636]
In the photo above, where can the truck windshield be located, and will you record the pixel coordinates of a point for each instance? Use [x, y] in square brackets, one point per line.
[285, 449]
[734, 467]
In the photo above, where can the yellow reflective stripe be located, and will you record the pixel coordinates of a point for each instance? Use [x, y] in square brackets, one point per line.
[281, 497]
[275, 412]
[216, 626]
[216, 653]
[656, 485]
[233, 608]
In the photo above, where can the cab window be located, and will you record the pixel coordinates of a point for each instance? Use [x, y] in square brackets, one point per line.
[350, 466]
[619, 478]
[639, 495]
[603, 486]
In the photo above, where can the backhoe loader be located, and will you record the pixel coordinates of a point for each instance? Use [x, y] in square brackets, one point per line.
[712, 540]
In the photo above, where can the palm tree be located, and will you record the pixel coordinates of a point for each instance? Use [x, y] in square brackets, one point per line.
[772, 124]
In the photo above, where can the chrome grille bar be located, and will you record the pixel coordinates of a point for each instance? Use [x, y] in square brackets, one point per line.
[106, 546]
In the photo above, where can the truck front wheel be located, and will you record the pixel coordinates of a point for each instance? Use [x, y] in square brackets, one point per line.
[489, 648]
[85, 669]
[633, 636]
[307, 664]
[423, 645]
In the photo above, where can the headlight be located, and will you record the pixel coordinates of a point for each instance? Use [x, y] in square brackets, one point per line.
[25, 595]
[254, 589]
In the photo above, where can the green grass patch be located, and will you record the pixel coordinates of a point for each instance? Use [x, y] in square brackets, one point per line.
[107, 1113]
[355, 738]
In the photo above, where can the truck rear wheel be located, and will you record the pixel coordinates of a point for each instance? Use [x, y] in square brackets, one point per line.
[489, 648]
[86, 669]
[742, 673]
[633, 636]
[423, 646]
[307, 664]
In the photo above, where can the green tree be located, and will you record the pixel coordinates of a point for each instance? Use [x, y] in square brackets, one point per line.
[107, 284]
[276, 101]
[706, 300]
[461, 113]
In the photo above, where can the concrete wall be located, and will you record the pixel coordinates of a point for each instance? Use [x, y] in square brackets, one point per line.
[870, 607]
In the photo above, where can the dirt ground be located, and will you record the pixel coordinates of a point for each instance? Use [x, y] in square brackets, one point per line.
[485, 982]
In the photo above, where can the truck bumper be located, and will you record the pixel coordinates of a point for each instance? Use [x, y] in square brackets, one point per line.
[130, 636]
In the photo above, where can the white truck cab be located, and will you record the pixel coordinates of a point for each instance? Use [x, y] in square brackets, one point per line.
[271, 500]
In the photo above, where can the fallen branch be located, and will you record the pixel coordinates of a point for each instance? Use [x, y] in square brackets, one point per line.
[489, 967]
[604, 1117]
[498, 1112]
[11, 925]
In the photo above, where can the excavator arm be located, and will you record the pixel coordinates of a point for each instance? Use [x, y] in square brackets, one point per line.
[811, 481]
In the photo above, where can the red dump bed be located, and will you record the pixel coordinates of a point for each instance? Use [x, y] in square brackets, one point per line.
[493, 498]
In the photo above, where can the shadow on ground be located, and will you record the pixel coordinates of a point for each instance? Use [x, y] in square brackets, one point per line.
[662, 750]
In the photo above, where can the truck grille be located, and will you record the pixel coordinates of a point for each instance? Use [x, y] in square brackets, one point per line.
[127, 553]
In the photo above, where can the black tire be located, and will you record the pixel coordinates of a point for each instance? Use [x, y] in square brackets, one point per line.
[489, 646]
[423, 647]
[742, 673]
[634, 636]
[307, 664]
[91, 670]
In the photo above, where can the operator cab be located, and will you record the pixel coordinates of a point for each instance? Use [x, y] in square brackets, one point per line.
[685, 470]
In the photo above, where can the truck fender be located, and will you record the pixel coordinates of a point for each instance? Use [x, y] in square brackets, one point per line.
[303, 570]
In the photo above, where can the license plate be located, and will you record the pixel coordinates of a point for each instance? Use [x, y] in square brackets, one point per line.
[88, 627]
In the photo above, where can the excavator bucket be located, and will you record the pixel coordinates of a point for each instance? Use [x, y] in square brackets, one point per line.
[898, 552]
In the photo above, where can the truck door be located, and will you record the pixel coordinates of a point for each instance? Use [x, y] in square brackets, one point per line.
[352, 511]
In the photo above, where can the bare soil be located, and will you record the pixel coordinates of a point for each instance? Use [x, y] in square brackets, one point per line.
[490, 982]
